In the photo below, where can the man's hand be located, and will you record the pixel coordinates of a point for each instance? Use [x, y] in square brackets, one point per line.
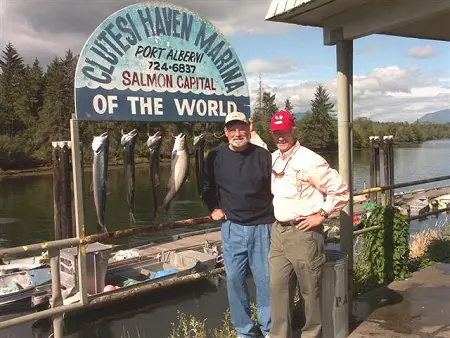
[309, 222]
[217, 215]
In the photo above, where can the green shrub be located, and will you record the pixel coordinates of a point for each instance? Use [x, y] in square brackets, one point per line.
[385, 252]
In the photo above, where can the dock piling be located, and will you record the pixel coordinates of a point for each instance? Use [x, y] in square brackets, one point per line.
[62, 191]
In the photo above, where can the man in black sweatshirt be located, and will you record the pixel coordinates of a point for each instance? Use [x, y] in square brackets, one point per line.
[236, 191]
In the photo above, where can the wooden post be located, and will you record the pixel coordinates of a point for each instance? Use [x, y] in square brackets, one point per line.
[371, 169]
[386, 164]
[79, 208]
[66, 192]
[56, 292]
[372, 180]
[391, 166]
[62, 200]
[56, 153]
[376, 150]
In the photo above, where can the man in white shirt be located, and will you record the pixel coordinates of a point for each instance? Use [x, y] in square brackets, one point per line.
[306, 190]
[255, 138]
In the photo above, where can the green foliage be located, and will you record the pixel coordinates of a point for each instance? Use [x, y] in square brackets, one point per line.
[36, 106]
[439, 250]
[288, 106]
[418, 263]
[262, 116]
[385, 252]
[318, 128]
[188, 326]
[12, 67]
[403, 132]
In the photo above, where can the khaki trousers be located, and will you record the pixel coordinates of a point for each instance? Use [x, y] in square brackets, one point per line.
[296, 258]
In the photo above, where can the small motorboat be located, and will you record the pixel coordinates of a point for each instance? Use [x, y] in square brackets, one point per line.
[419, 206]
[441, 202]
[17, 286]
[164, 266]
[167, 265]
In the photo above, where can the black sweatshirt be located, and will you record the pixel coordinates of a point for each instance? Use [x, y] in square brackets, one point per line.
[239, 184]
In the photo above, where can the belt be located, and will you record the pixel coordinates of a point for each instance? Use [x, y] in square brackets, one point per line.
[288, 224]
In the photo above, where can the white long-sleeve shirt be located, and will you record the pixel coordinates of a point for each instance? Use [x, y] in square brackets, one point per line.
[308, 184]
[256, 139]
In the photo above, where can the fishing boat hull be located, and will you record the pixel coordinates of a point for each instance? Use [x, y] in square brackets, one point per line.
[17, 288]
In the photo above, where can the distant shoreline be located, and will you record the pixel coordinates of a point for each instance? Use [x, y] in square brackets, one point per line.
[45, 170]
[142, 162]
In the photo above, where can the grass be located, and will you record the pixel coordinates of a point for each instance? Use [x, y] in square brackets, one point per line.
[430, 246]
[189, 326]
[420, 241]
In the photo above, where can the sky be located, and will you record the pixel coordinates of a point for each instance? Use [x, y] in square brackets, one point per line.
[395, 79]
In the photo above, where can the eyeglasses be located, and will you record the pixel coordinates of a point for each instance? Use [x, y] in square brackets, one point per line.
[281, 173]
[236, 130]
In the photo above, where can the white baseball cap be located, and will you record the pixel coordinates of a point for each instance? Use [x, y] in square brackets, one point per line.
[236, 116]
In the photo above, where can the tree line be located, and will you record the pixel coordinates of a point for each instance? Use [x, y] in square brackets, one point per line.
[36, 106]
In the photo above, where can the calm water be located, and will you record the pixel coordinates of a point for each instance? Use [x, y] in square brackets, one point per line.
[26, 216]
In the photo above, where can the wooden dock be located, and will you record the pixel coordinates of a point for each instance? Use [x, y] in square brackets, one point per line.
[210, 238]
[402, 200]
[198, 239]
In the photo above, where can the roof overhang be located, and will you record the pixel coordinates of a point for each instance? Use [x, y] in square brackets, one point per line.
[352, 19]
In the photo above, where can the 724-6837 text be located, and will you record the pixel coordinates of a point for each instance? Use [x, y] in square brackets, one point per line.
[176, 67]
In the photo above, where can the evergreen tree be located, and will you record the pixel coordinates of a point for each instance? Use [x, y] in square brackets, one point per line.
[36, 88]
[288, 106]
[35, 108]
[58, 104]
[318, 128]
[12, 66]
[30, 97]
[263, 116]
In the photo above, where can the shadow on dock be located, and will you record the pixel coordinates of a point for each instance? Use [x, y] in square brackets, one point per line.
[416, 307]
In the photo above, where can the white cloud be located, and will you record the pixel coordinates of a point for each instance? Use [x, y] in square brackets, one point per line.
[421, 52]
[278, 66]
[384, 94]
[44, 28]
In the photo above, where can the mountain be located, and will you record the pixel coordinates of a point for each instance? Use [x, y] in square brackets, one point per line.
[441, 116]
[298, 116]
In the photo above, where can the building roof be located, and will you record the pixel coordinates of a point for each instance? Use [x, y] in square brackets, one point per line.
[351, 19]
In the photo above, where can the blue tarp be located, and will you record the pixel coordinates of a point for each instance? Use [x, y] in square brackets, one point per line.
[163, 273]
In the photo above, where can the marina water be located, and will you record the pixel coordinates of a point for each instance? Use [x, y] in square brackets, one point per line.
[26, 216]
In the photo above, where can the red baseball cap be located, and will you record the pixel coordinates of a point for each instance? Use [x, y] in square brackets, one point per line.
[282, 121]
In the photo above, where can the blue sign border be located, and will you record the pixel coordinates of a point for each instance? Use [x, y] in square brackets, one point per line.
[158, 62]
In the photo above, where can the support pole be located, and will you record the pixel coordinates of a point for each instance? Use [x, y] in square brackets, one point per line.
[57, 300]
[387, 177]
[79, 208]
[62, 191]
[56, 154]
[372, 168]
[376, 150]
[66, 192]
[391, 166]
[344, 55]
